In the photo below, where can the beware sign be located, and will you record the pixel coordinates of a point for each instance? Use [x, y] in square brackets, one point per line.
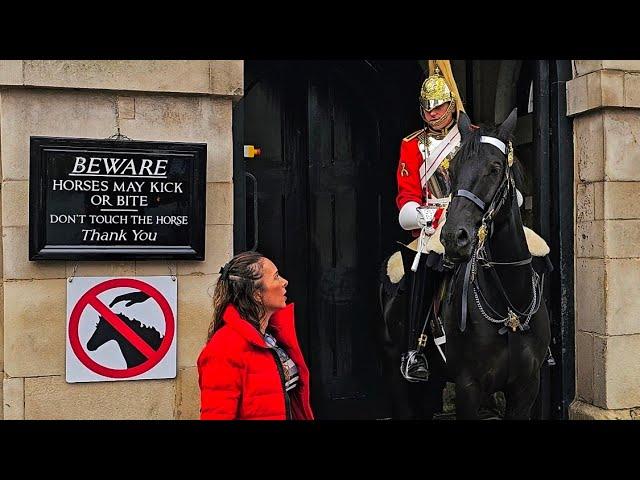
[121, 328]
[94, 199]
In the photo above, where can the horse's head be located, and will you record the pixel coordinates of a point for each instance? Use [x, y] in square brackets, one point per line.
[103, 333]
[478, 174]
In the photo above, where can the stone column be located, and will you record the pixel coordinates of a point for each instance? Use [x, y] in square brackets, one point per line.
[184, 101]
[604, 99]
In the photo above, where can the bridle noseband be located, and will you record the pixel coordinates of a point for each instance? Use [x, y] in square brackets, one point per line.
[480, 253]
[499, 196]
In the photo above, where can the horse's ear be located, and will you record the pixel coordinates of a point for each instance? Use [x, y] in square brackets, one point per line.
[464, 125]
[509, 125]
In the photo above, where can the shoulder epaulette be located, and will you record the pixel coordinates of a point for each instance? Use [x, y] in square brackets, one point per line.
[413, 135]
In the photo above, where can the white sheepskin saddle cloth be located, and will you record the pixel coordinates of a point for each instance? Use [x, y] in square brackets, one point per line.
[395, 270]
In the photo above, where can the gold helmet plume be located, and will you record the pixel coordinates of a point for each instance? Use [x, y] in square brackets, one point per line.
[440, 87]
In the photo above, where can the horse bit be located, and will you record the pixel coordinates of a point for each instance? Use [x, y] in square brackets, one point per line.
[512, 320]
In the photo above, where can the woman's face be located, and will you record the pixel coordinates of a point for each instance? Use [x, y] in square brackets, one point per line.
[274, 287]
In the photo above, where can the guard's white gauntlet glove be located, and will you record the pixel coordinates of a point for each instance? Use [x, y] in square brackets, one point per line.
[413, 217]
[425, 218]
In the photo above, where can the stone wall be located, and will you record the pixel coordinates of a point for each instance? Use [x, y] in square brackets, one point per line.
[604, 98]
[185, 101]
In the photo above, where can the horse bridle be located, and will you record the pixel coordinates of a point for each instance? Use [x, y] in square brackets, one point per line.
[507, 184]
[500, 194]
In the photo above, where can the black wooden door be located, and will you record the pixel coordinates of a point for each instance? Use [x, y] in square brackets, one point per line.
[344, 154]
[329, 133]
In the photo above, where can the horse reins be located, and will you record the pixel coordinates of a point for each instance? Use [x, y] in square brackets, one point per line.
[512, 320]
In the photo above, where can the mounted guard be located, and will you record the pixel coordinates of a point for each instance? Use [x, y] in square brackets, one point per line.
[424, 188]
[414, 280]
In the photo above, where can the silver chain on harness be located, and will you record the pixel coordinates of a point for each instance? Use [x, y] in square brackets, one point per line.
[512, 319]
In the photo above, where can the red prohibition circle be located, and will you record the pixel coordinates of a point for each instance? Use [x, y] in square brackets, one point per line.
[92, 294]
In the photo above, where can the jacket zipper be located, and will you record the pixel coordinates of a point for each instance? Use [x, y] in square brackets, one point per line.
[287, 400]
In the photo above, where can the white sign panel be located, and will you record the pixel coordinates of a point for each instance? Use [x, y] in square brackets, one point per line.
[121, 328]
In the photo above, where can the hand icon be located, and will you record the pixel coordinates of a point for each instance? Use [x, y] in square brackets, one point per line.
[130, 298]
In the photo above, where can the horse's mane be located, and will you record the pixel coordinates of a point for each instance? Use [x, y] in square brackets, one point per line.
[471, 145]
[138, 326]
[149, 333]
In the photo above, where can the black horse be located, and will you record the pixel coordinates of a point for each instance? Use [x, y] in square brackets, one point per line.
[496, 323]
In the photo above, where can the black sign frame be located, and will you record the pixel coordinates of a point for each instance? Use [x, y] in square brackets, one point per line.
[39, 249]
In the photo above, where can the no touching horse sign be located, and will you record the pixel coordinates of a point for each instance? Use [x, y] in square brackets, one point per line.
[121, 329]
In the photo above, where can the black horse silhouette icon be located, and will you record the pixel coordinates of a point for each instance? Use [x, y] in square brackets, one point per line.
[105, 332]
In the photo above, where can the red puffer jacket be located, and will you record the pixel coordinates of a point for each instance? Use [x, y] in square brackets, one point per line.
[239, 377]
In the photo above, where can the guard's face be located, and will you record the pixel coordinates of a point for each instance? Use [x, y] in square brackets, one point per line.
[439, 114]
[274, 287]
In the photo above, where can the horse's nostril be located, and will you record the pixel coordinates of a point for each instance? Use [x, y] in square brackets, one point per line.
[462, 237]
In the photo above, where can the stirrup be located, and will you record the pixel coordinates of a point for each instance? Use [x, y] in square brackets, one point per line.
[414, 366]
[550, 360]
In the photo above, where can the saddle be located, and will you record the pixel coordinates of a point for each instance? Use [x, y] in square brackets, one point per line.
[395, 268]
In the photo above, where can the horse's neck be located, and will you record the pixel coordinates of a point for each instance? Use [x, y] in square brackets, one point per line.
[131, 354]
[509, 244]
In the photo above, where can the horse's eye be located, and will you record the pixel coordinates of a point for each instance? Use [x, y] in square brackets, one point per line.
[496, 168]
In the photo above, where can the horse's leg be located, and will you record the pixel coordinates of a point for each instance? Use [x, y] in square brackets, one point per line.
[520, 397]
[419, 400]
[402, 395]
[388, 334]
[425, 398]
[401, 407]
[528, 353]
[468, 396]
[432, 398]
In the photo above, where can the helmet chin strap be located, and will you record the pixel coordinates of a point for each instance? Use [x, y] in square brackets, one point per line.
[439, 130]
[434, 124]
